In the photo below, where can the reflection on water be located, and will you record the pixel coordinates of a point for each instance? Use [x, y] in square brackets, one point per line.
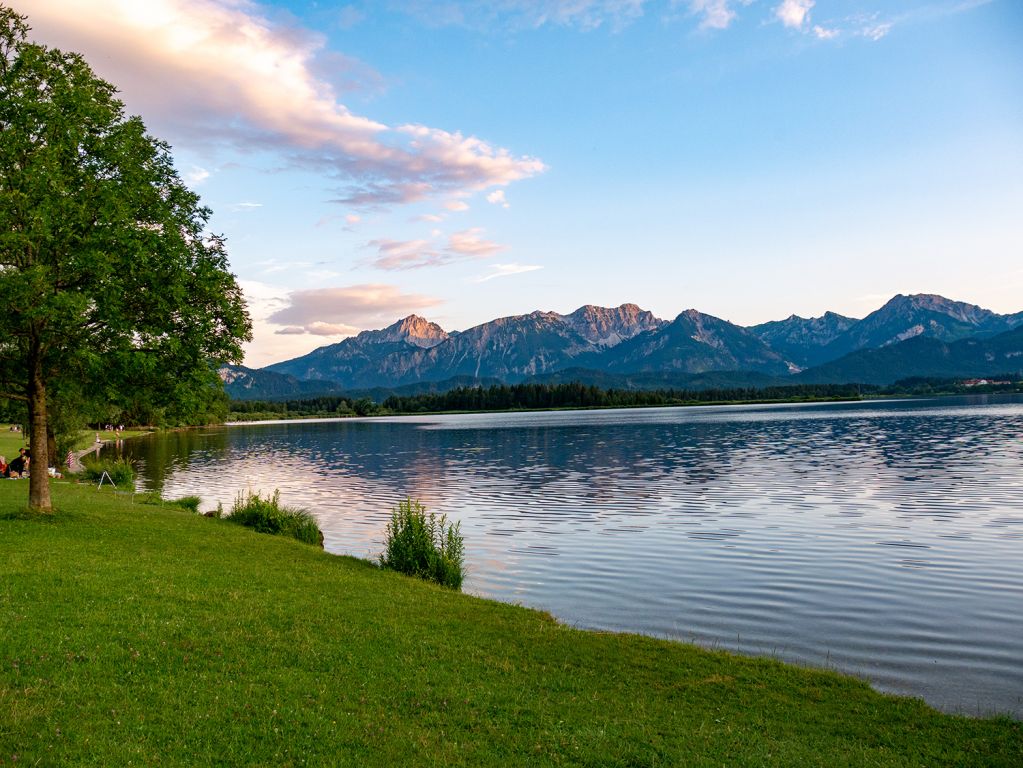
[882, 539]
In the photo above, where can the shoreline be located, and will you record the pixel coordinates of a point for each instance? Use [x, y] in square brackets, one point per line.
[687, 404]
[569, 408]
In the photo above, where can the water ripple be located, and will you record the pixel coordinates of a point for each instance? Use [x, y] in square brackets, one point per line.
[884, 539]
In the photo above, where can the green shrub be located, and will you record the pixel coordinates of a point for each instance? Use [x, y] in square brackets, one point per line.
[121, 470]
[191, 503]
[424, 545]
[268, 516]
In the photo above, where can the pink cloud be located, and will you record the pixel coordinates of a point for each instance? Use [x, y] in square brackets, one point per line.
[394, 255]
[222, 73]
[405, 254]
[345, 310]
[470, 242]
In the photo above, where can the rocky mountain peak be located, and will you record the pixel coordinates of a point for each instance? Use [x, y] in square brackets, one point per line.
[609, 326]
[930, 302]
[700, 327]
[413, 329]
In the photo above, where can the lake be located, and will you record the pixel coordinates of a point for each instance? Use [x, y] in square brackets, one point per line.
[883, 539]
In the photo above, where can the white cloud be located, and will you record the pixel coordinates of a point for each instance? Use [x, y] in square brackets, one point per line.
[497, 198]
[876, 31]
[195, 176]
[586, 14]
[506, 270]
[351, 218]
[345, 310]
[470, 242]
[794, 13]
[456, 205]
[209, 74]
[715, 14]
[824, 33]
[243, 207]
[431, 218]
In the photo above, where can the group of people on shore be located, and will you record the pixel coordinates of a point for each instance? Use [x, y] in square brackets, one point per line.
[19, 465]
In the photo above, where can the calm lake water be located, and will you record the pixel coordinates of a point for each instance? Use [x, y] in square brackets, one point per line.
[883, 539]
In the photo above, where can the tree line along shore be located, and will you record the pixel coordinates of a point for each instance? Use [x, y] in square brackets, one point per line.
[532, 397]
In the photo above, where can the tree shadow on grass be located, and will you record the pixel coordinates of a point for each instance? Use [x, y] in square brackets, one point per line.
[54, 517]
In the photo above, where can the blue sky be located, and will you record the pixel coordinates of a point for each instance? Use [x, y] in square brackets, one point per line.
[468, 160]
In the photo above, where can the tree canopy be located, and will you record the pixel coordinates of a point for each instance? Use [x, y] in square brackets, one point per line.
[110, 285]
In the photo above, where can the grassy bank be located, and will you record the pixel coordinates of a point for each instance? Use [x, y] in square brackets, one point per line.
[133, 634]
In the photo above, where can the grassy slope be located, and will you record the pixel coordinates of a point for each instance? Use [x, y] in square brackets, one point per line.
[142, 634]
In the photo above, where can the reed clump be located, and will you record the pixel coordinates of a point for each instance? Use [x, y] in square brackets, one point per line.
[270, 516]
[121, 471]
[424, 544]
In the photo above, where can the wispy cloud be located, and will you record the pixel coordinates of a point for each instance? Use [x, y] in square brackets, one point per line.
[876, 31]
[456, 205]
[344, 310]
[506, 270]
[394, 255]
[222, 73]
[405, 254]
[243, 207]
[617, 14]
[470, 242]
[795, 14]
[349, 17]
[714, 14]
[585, 14]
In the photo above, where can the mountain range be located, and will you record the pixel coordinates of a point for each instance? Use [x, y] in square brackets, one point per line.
[917, 335]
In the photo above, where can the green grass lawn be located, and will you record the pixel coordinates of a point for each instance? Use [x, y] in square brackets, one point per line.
[10, 442]
[144, 635]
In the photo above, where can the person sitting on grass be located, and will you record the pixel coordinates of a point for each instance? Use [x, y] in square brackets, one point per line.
[3, 466]
[18, 465]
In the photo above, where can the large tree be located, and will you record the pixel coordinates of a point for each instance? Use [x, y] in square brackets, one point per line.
[109, 283]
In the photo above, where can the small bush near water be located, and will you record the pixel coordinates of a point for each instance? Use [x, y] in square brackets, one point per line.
[121, 470]
[268, 516]
[189, 503]
[424, 545]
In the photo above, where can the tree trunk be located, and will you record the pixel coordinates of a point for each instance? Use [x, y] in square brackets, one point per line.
[39, 477]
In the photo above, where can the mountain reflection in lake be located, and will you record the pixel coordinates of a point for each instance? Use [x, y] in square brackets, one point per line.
[881, 539]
